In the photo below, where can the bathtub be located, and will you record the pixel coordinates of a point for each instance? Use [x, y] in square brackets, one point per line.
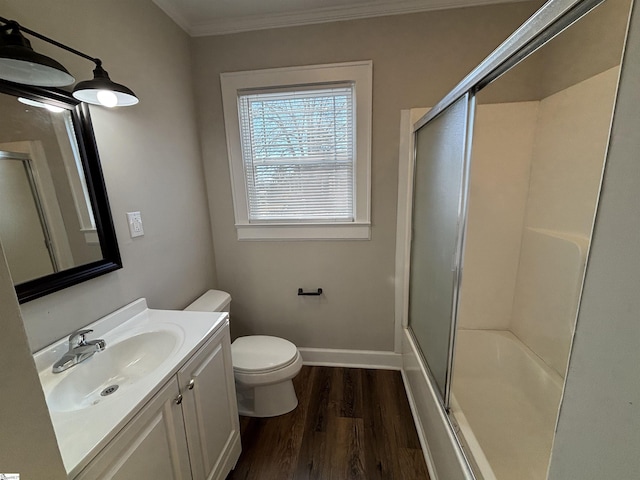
[504, 405]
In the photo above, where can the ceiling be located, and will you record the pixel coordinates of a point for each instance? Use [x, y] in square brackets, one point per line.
[217, 17]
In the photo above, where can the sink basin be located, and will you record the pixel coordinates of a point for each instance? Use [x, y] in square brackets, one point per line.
[110, 373]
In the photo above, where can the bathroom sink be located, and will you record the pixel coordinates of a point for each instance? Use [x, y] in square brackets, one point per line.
[93, 400]
[110, 373]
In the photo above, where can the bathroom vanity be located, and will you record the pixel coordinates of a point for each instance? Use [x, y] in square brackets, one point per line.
[158, 402]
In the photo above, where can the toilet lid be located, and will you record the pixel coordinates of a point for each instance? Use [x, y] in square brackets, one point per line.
[260, 353]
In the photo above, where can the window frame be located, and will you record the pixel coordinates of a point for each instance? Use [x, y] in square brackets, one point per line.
[360, 74]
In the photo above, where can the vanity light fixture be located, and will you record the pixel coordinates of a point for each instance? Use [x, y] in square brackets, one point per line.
[19, 63]
[103, 91]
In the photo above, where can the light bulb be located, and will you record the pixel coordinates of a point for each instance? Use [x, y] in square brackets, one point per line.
[107, 98]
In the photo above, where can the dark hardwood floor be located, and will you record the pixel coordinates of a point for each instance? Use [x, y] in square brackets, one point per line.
[350, 424]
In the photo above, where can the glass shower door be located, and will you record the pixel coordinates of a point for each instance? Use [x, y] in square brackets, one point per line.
[439, 201]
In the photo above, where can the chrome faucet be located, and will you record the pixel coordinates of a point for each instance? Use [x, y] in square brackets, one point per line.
[79, 350]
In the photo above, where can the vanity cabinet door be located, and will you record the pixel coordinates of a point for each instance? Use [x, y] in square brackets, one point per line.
[152, 446]
[210, 410]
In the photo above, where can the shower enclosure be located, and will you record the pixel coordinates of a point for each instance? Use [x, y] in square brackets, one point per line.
[507, 172]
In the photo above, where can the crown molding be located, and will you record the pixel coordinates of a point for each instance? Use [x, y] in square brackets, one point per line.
[227, 25]
[170, 8]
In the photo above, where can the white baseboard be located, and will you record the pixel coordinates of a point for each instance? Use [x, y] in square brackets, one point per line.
[328, 357]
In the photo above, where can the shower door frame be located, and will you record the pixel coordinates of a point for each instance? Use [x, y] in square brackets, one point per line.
[549, 21]
[457, 260]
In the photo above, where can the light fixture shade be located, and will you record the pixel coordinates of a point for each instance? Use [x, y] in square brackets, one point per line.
[21, 64]
[90, 91]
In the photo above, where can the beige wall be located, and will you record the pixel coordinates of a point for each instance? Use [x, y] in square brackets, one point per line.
[416, 60]
[150, 156]
[27, 443]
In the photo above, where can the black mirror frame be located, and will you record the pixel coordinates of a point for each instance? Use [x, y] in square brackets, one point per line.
[39, 287]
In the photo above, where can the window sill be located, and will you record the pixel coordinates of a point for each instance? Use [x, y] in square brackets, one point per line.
[305, 231]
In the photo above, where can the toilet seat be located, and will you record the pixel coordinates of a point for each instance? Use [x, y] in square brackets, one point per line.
[260, 354]
[261, 360]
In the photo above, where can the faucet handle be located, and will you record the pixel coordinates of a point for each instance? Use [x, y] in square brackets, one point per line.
[76, 339]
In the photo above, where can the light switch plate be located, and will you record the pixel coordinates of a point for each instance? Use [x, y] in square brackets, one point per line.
[135, 224]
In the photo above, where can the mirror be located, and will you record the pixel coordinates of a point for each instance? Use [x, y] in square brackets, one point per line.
[55, 222]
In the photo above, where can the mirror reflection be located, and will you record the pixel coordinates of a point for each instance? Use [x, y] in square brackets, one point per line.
[46, 219]
[55, 222]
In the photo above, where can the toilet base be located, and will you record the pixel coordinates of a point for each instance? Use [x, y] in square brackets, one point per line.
[266, 401]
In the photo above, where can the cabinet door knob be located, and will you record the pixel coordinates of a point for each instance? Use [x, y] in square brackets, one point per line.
[179, 399]
[192, 384]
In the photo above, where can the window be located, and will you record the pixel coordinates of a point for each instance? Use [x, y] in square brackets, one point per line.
[299, 151]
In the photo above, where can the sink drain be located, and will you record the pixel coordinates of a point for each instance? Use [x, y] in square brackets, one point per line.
[109, 390]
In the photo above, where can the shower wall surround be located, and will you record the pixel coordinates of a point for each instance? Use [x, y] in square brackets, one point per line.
[563, 193]
[498, 195]
[526, 180]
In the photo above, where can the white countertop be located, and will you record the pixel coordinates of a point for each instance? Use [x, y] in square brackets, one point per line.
[82, 433]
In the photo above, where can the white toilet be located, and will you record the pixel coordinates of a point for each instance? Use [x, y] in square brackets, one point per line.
[263, 366]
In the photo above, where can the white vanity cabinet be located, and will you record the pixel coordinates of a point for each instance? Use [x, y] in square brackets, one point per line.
[151, 446]
[188, 430]
[210, 410]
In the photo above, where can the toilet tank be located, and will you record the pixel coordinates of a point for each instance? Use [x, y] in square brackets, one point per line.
[211, 301]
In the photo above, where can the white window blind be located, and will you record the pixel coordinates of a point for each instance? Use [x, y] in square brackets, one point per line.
[298, 152]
